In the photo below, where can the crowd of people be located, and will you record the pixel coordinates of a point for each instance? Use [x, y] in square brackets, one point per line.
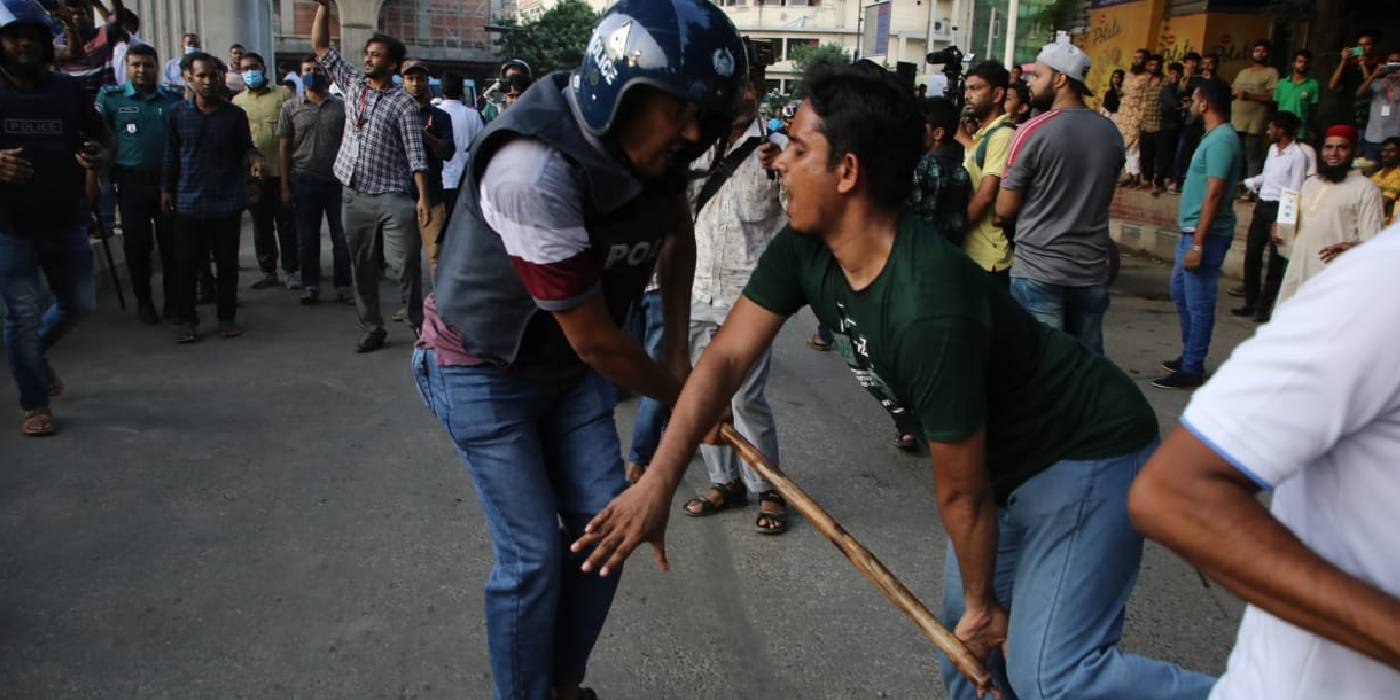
[640, 226]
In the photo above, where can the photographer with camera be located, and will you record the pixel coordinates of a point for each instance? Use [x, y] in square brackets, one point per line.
[1382, 86]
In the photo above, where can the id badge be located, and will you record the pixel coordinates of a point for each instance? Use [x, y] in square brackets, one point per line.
[1385, 110]
[1288, 207]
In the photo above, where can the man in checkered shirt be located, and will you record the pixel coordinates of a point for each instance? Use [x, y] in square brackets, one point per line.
[382, 164]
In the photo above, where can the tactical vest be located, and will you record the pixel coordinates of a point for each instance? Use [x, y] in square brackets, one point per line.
[478, 291]
[47, 124]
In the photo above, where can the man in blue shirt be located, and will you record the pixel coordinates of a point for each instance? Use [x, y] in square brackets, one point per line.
[1207, 221]
[137, 113]
[208, 157]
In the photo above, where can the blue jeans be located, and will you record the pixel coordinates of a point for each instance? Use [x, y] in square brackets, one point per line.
[542, 454]
[312, 197]
[1067, 559]
[65, 259]
[1077, 311]
[651, 414]
[1194, 294]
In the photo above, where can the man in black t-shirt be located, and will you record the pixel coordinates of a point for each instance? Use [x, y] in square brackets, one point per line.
[51, 135]
[1034, 438]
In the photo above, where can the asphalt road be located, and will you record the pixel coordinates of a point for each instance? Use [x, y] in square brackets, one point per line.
[277, 517]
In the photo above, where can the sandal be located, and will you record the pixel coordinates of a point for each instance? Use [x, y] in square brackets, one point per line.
[771, 523]
[55, 384]
[817, 343]
[185, 335]
[228, 329]
[728, 498]
[37, 423]
[906, 443]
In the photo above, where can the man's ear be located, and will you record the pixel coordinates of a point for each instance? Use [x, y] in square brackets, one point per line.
[847, 173]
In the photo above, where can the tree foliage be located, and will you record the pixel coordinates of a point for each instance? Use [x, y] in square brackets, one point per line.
[551, 40]
[804, 57]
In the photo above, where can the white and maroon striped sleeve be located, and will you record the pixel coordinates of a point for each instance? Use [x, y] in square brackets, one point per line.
[531, 199]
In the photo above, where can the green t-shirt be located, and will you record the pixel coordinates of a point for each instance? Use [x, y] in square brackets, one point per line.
[1298, 99]
[937, 339]
[1219, 157]
[138, 124]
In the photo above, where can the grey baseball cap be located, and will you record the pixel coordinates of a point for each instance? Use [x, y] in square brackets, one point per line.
[1068, 59]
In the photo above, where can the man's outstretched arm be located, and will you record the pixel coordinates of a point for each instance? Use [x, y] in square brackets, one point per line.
[1195, 502]
[640, 513]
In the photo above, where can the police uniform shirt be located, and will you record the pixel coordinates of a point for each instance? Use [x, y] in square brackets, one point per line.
[138, 123]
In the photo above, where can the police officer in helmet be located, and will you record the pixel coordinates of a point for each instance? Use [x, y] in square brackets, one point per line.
[572, 198]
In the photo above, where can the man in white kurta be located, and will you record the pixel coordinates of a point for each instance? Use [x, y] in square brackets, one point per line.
[1337, 210]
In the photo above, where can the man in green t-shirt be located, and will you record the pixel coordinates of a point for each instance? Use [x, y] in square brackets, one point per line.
[1035, 439]
[1298, 93]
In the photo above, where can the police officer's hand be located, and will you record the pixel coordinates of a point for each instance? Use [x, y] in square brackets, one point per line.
[15, 169]
[93, 156]
[167, 202]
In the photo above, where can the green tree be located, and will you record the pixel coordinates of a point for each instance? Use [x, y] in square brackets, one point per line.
[551, 40]
[804, 57]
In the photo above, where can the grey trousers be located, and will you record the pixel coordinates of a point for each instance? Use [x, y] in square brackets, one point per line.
[753, 417]
[395, 215]
[1255, 148]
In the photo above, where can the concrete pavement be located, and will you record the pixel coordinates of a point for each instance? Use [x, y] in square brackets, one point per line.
[275, 516]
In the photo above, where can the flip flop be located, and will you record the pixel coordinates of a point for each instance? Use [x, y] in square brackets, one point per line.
[728, 499]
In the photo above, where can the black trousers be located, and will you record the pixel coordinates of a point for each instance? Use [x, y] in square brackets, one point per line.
[1260, 287]
[195, 240]
[1156, 155]
[268, 212]
[146, 227]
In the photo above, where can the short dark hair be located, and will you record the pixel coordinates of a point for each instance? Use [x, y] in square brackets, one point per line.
[1268, 45]
[1304, 53]
[1287, 121]
[397, 50]
[236, 46]
[1192, 56]
[1212, 56]
[1216, 93]
[1176, 66]
[1022, 90]
[1392, 141]
[308, 58]
[451, 84]
[1154, 57]
[993, 72]
[1117, 72]
[142, 50]
[519, 82]
[254, 55]
[940, 111]
[199, 56]
[867, 112]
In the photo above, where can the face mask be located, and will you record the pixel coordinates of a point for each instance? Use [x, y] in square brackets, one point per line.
[253, 78]
[313, 81]
[191, 49]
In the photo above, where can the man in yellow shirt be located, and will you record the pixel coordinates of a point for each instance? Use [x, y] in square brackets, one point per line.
[985, 136]
[1388, 177]
[262, 100]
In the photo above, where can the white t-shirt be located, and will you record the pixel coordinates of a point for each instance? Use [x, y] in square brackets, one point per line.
[1310, 407]
[466, 124]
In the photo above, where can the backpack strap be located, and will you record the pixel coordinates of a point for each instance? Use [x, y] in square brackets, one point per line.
[722, 170]
[981, 154]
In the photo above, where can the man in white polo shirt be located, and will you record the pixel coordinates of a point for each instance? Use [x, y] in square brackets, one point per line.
[1309, 408]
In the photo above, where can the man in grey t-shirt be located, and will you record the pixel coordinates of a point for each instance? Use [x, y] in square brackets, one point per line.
[1059, 180]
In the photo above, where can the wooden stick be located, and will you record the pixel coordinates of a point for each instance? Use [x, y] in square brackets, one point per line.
[863, 559]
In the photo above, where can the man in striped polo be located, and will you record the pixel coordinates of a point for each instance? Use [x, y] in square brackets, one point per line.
[1058, 183]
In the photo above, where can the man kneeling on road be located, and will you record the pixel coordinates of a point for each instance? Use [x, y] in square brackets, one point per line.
[1035, 438]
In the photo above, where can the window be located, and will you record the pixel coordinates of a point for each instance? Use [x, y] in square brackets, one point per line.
[437, 23]
[794, 43]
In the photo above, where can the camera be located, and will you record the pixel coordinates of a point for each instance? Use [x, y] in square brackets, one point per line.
[951, 58]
